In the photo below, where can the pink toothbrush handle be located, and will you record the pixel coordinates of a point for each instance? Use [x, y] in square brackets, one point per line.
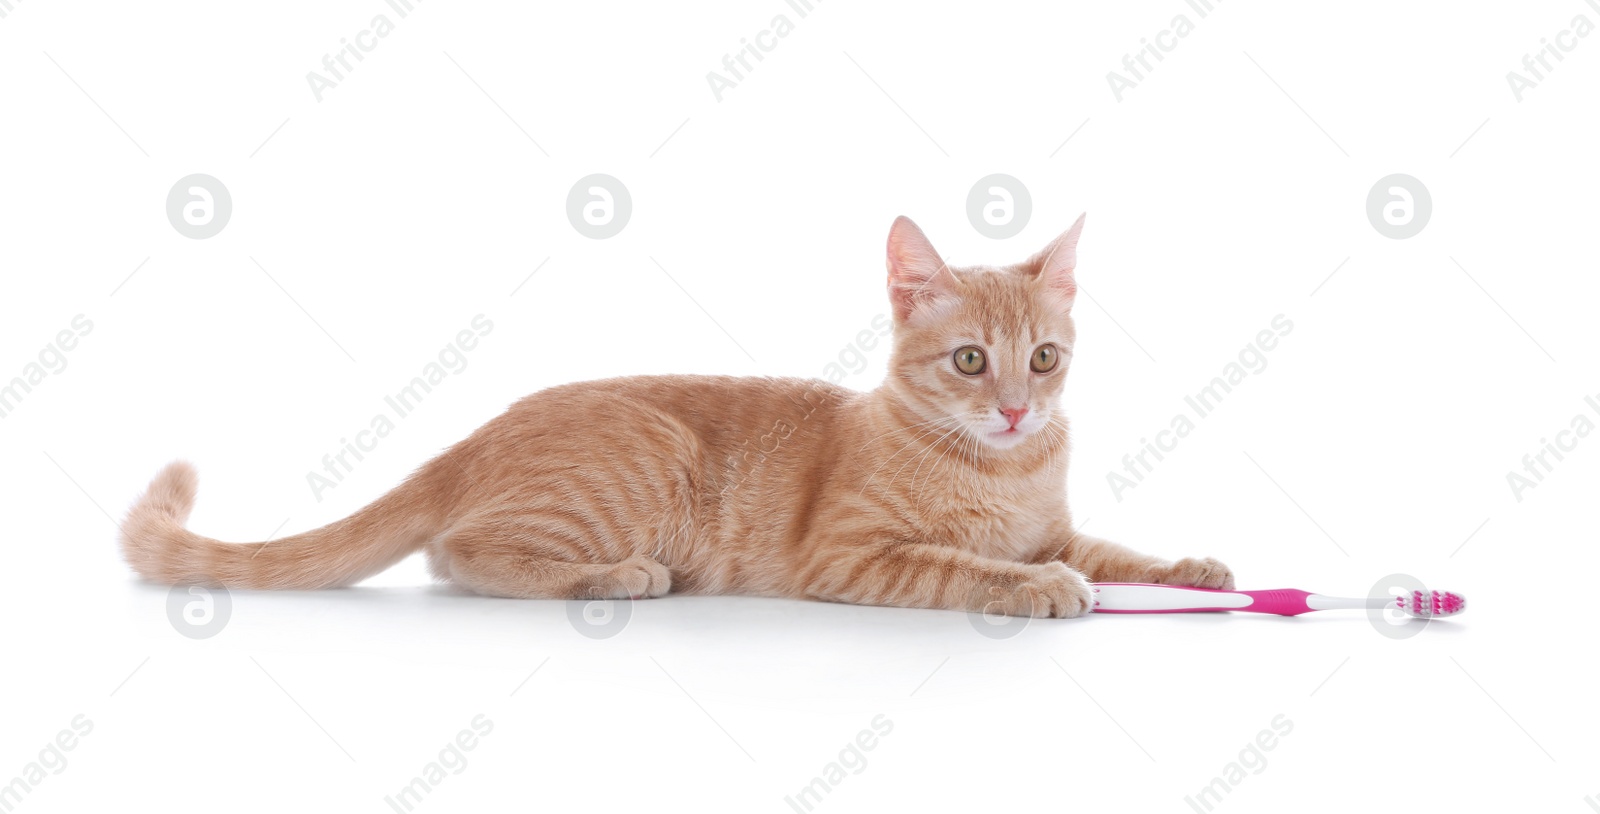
[1135, 597]
[1282, 601]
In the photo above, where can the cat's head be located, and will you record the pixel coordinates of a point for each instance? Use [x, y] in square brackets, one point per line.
[982, 349]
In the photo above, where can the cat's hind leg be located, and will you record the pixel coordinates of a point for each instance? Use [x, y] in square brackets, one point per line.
[543, 557]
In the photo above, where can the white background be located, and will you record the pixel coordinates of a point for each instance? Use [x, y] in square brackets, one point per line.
[368, 228]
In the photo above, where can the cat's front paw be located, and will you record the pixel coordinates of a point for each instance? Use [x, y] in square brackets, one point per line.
[1052, 590]
[1198, 572]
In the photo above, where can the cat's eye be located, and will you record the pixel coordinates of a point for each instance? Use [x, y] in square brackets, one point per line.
[970, 360]
[1045, 359]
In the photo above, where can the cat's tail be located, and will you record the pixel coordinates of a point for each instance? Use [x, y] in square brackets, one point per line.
[156, 544]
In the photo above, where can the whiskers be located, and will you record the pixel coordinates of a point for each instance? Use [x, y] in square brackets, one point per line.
[1055, 433]
[921, 430]
[939, 446]
[966, 445]
[900, 429]
[944, 428]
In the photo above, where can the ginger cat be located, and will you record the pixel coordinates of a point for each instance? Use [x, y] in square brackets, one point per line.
[943, 488]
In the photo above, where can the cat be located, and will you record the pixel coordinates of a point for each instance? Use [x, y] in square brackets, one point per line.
[943, 488]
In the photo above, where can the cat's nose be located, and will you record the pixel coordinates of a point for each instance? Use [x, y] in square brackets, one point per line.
[1014, 414]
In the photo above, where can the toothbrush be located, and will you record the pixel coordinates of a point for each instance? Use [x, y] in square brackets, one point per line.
[1135, 597]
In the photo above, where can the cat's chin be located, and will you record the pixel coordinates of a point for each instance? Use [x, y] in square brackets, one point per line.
[1006, 439]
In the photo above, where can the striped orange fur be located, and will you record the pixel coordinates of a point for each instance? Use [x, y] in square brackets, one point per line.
[940, 489]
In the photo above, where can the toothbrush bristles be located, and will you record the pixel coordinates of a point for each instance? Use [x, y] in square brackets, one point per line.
[1431, 603]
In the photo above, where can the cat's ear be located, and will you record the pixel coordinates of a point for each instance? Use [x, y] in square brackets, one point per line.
[918, 276]
[1055, 265]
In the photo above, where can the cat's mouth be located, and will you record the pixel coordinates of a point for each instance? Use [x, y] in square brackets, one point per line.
[1006, 438]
